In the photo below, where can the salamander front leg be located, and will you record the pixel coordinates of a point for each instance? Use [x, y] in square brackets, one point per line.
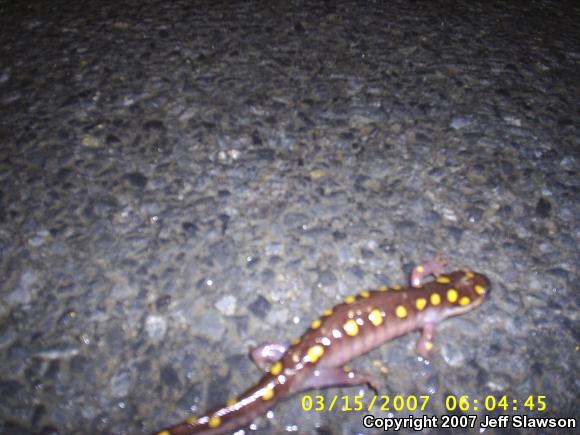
[433, 267]
[266, 354]
[425, 342]
[341, 376]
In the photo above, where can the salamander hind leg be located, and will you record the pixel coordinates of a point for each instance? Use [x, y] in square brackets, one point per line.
[341, 376]
[266, 354]
[425, 342]
[433, 267]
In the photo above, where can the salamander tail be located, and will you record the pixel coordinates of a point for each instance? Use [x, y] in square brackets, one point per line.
[236, 413]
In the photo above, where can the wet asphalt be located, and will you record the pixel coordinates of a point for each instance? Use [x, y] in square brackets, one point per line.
[180, 181]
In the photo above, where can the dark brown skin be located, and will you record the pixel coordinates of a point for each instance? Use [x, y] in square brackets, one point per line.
[341, 334]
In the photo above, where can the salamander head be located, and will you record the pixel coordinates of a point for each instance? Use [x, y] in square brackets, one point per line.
[465, 291]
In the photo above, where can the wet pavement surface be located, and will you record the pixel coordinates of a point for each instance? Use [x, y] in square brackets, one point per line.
[183, 180]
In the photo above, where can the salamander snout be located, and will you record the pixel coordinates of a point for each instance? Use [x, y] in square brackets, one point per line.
[481, 284]
[475, 285]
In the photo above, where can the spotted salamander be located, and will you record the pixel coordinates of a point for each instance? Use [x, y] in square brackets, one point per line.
[342, 333]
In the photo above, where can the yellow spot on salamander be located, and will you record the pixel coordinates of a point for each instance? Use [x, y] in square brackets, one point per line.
[396, 287]
[231, 402]
[295, 341]
[191, 420]
[315, 352]
[442, 280]
[376, 317]
[401, 312]
[315, 324]
[276, 368]
[470, 275]
[365, 293]
[349, 299]
[480, 290]
[268, 392]
[350, 327]
[164, 432]
[215, 421]
[383, 288]
[435, 299]
[327, 312]
[452, 295]
[419, 269]
[429, 345]
[464, 300]
[421, 303]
